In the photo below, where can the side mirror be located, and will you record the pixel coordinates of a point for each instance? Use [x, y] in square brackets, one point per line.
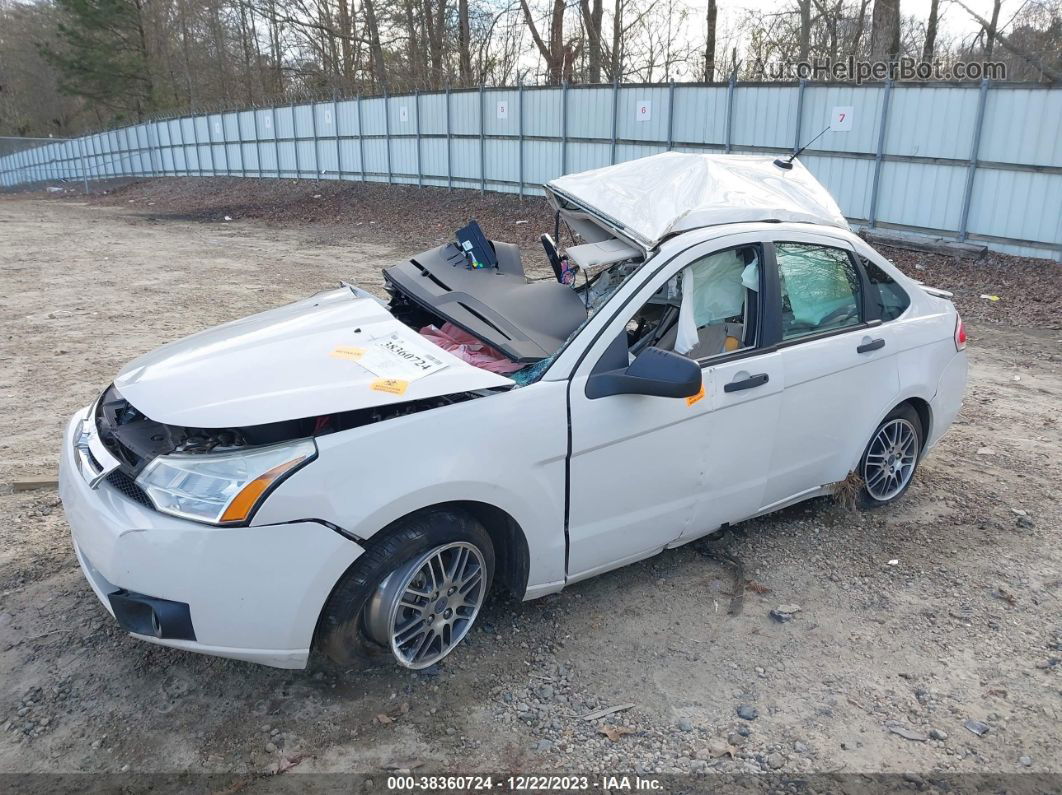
[654, 372]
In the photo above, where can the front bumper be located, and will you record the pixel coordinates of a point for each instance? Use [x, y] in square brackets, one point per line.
[253, 593]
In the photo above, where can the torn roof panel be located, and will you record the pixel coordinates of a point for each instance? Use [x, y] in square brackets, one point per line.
[652, 198]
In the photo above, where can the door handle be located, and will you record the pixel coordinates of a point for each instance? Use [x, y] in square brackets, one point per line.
[873, 345]
[748, 383]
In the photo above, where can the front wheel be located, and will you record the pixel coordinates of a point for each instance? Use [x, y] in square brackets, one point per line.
[414, 593]
[891, 457]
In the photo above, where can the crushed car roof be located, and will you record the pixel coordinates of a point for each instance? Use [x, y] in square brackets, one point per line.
[652, 198]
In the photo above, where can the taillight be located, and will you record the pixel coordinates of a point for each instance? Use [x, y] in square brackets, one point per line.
[960, 333]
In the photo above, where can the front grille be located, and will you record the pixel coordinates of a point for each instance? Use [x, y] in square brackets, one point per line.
[127, 487]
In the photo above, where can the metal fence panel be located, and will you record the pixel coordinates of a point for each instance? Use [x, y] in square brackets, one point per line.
[1023, 125]
[932, 122]
[963, 161]
[765, 116]
[1018, 204]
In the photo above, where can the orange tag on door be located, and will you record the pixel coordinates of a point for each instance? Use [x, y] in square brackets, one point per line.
[694, 398]
[392, 386]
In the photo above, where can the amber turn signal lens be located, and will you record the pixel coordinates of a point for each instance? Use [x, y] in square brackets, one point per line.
[243, 503]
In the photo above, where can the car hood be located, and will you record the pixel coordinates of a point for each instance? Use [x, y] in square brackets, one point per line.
[337, 351]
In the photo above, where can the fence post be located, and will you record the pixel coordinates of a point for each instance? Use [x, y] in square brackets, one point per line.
[295, 142]
[224, 141]
[387, 135]
[90, 149]
[520, 131]
[198, 149]
[335, 130]
[257, 143]
[670, 115]
[153, 154]
[276, 138]
[975, 150]
[730, 109]
[361, 142]
[184, 147]
[449, 169]
[239, 134]
[84, 167]
[879, 154]
[416, 110]
[799, 115]
[128, 159]
[313, 130]
[482, 143]
[564, 128]
[210, 145]
[615, 119]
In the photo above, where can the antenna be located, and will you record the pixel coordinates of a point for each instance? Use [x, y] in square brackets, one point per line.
[787, 164]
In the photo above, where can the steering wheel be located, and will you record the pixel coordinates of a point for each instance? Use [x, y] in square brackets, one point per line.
[552, 256]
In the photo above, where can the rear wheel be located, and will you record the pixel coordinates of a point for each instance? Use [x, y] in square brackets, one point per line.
[891, 457]
[414, 593]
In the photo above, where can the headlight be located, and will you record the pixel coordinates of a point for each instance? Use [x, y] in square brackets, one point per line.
[221, 488]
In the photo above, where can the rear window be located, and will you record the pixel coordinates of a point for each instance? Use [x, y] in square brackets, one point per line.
[887, 294]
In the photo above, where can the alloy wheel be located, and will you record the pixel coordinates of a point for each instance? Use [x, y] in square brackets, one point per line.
[890, 459]
[423, 609]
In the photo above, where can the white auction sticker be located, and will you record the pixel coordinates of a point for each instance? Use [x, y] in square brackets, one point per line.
[394, 356]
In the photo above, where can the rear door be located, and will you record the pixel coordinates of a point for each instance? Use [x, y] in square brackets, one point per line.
[840, 370]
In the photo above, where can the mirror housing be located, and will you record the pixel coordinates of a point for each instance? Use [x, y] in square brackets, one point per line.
[654, 372]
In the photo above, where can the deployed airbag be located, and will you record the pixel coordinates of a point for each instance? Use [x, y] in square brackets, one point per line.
[469, 349]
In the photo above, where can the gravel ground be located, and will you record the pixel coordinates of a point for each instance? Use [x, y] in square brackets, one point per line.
[916, 624]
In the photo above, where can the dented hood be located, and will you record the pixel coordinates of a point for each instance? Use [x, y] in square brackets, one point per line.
[332, 352]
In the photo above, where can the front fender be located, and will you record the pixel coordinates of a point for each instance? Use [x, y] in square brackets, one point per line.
[506, 450]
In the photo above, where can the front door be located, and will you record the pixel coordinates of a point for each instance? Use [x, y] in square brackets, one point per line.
[648, 471]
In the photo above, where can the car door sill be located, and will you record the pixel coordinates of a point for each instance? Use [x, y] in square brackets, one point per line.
[615, 564]
[800, 496]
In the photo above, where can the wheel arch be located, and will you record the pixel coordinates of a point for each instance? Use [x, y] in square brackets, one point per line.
[511, 551]
[925, 415]
[512, 557]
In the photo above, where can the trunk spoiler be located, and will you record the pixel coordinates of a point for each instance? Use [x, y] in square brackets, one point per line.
[935, 291]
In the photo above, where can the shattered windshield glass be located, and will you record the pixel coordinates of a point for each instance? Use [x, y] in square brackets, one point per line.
[595, 293]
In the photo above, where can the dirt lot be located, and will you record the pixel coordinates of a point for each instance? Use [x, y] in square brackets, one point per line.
[943, 609]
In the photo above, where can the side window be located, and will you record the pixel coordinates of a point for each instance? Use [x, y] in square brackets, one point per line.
[708, 308]
[820, 289]
[892, 301]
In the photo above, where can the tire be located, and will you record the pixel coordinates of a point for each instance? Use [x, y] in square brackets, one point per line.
[877, 487]
[350, 631]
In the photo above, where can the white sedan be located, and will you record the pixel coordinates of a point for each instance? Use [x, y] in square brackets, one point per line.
[352, 476]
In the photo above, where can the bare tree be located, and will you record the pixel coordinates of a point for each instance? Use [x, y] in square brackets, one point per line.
[464, 43]
[711, 19]
[931, 31]
[558, 53]
[592, 14]
[885, 30]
